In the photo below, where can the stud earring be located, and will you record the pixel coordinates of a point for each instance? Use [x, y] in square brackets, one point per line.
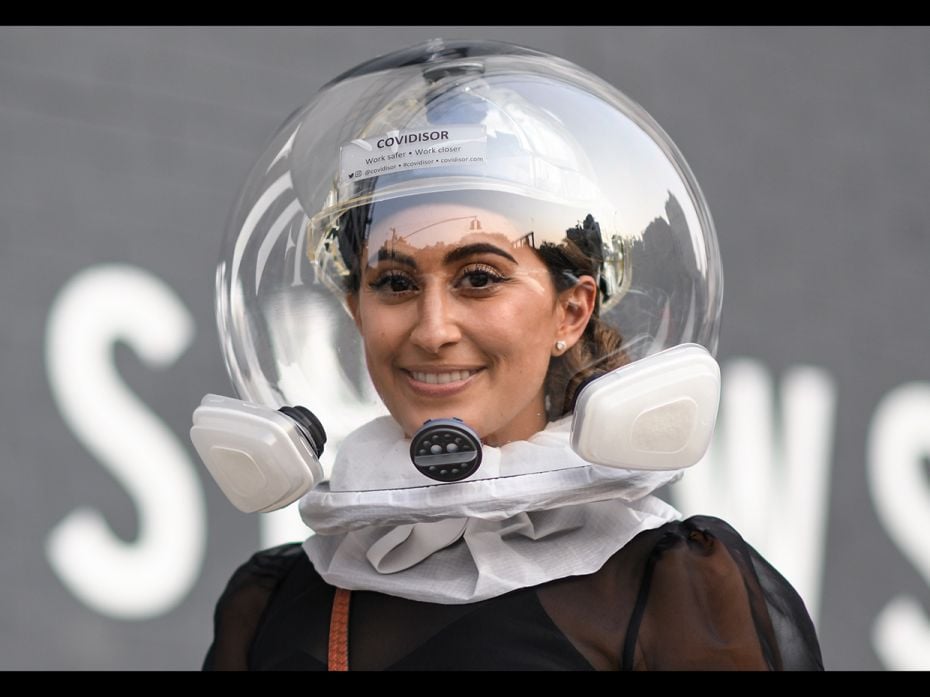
[559, 345]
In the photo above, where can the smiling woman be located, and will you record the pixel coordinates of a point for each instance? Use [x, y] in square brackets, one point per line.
[538, 317]
[457, 319]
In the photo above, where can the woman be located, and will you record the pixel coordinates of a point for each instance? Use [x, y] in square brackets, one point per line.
[506, 232]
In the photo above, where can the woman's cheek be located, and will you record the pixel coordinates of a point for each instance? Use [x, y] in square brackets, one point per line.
[381, 329]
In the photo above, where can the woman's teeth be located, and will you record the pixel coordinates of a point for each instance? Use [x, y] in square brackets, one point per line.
[443, 378]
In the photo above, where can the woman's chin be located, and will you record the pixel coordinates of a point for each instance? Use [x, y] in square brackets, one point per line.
[488, 434]
[412, 422]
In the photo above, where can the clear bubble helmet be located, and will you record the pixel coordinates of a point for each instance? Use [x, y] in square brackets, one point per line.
[448, 144]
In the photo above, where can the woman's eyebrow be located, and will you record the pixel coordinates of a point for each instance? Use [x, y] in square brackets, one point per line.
[385, 254]
[468, 250]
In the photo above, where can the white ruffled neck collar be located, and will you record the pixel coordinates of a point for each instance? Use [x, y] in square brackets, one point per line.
[534, 511]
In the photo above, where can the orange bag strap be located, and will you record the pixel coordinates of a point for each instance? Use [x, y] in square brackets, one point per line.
[338, 658]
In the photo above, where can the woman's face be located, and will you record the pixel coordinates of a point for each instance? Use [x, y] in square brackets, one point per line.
[460, 321]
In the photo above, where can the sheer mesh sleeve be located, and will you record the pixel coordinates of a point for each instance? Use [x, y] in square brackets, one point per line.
[243, 603]
[688, 595]
[708, 600]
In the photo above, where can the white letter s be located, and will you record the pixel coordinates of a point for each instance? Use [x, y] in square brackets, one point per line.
[149, 576]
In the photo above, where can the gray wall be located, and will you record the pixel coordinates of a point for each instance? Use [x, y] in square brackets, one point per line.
[121, 152]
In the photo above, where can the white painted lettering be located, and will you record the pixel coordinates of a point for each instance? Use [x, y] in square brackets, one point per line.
[899, 442]
[151, 575]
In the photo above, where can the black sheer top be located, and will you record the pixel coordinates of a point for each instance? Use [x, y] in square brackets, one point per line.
[688, 595]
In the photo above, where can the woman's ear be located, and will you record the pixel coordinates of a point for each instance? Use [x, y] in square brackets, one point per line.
[576, 306]
[352, 304]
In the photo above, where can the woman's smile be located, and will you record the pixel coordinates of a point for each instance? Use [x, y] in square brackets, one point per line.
[451, 379]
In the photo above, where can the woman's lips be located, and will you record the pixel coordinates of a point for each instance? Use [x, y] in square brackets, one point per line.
[436, 383]
[441, 378]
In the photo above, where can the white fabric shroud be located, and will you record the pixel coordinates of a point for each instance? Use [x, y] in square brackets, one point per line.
[533, 512]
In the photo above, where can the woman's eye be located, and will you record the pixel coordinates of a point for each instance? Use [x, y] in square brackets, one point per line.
[480, 277]
[393, 282]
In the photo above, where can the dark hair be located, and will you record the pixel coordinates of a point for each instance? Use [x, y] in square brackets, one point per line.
[598, 351]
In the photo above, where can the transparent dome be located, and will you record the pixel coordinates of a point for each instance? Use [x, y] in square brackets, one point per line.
[427, 148]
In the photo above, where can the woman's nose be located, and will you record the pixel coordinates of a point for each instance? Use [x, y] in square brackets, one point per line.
[436, 325]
